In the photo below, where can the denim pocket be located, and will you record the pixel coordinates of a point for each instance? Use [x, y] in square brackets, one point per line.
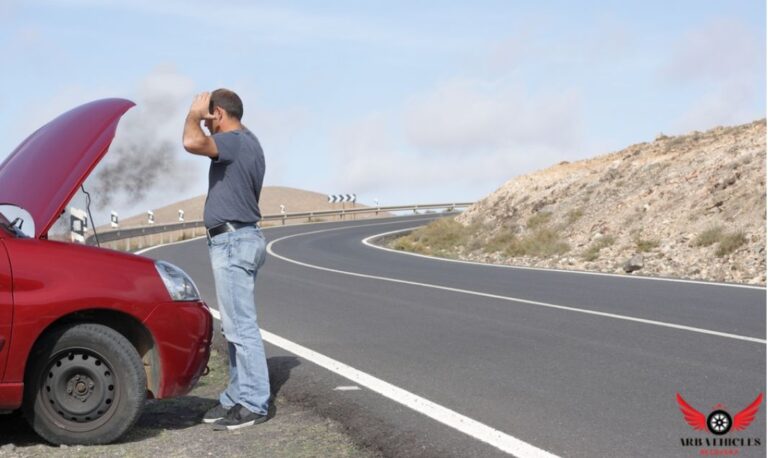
[248, 252]
[219, 240]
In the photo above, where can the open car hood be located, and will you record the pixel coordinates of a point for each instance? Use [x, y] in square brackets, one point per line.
[43, 173]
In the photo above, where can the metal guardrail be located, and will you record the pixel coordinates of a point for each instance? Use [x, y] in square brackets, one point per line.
[120, 234]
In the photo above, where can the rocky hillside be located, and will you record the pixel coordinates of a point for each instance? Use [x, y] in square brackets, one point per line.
[691, 206]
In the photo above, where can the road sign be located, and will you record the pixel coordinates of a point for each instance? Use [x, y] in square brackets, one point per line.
[333, 198]
[113, 220]
[150, 217]
[181, 216]
[78, 221]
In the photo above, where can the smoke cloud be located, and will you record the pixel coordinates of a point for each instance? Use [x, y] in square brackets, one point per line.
[146, 160]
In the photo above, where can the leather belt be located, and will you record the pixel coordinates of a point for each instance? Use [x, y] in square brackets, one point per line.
[227, 227]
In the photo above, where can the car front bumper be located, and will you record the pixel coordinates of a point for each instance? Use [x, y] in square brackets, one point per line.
[183, 333]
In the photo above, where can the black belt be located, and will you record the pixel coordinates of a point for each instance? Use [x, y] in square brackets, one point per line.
[227, 227]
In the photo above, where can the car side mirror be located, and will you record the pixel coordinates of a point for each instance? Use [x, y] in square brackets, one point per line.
[20, 219]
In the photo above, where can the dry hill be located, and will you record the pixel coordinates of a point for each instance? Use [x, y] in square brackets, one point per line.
[691, 206]
[295, 200]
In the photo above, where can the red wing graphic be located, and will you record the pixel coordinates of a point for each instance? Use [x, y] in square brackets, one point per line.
[694, 418]
[743, 419]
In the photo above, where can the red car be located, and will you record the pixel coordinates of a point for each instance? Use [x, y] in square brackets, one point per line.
[86, 334]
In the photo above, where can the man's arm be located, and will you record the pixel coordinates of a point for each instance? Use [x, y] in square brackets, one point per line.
[195, 140]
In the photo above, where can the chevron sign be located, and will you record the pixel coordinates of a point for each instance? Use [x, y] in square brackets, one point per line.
[333, 198]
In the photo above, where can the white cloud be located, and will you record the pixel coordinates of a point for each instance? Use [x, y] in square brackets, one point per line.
[477, 117]
[725, 60]
[460, 140]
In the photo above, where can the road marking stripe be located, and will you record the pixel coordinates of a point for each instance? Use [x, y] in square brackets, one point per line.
[367, 241]
[424, 217]
[455, 420]
[142, 251]
[505, 298]
[347, 388]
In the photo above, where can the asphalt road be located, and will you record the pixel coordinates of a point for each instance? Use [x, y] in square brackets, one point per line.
[574, 364]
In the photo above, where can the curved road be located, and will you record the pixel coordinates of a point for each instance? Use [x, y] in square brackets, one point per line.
[571, 364]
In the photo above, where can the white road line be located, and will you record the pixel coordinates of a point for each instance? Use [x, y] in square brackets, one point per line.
[367, 242]
[504, 298]
[167, 244]
[347, 388]
[140, 252]
[455, 420]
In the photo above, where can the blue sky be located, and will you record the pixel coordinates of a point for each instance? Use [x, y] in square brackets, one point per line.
[397, 101]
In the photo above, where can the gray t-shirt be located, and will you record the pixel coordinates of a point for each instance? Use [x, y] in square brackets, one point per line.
[235, 179]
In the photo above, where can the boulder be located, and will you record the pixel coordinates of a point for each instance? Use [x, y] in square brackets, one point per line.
[634, 263]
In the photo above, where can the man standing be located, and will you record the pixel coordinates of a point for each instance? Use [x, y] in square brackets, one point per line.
[237, 249]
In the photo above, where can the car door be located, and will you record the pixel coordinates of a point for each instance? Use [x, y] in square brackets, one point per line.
[6, 307]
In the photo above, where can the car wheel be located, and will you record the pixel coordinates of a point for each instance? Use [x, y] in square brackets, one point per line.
[86, 385]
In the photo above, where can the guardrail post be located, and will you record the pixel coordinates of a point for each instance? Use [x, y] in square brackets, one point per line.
[309, 218]
[283, 219]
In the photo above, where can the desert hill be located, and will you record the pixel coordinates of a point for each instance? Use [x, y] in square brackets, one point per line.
[295, 200]
[690, 206]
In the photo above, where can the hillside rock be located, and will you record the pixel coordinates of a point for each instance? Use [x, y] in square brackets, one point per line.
[663, 199]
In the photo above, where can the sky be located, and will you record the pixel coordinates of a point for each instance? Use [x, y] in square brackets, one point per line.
[398, 101]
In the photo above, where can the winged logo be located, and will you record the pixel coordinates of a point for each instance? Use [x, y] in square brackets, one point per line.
[719, 421]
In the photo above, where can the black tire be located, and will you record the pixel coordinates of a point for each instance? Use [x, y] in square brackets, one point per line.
[85, 384]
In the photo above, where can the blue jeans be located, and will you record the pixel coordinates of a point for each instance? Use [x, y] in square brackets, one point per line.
[236, 258]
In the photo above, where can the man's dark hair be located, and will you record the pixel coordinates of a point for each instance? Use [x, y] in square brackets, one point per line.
[228, 101]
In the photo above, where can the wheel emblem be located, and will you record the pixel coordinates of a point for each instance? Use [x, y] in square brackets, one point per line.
[719, 422]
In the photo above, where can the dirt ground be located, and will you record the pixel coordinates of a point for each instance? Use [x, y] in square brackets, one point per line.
[173, 428]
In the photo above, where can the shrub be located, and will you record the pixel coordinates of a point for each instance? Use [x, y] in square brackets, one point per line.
[644, 245]
[441, 237]
[593, 252]
[730, 242]
[539, 219]
[709, 236]
[541, 243]
[500, 241]
[574, 215]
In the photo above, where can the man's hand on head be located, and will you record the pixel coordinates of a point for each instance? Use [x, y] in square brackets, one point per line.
[200, 105]
[195, 140]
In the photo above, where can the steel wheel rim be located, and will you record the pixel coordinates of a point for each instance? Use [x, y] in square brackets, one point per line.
[79, 389]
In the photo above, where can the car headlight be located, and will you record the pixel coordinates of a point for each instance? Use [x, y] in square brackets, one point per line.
[180, 286]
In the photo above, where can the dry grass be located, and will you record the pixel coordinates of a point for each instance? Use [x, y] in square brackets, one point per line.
[574, 215]
[445, 237]
[593, 252]
[645, 245]
[709, 236]
[729, 243]
[538, 220]
[541, 243]
[439, 238]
